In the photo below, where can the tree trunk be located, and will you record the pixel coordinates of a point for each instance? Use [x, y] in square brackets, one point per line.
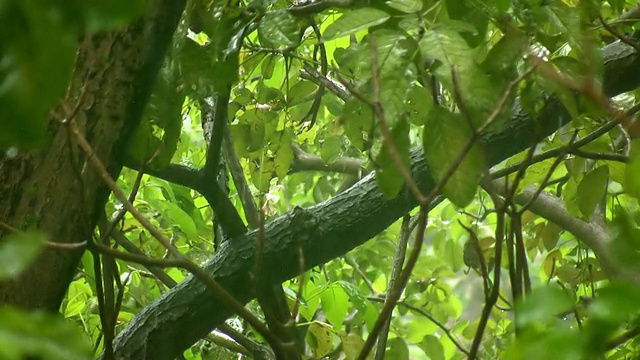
[56, 189]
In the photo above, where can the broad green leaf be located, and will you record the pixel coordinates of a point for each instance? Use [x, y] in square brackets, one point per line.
[300, 92]
[471, 14]
[331, 148]
[591, 190]
[263, 169]
[562, 343]
[567, 20]
[284, 154]
[388, 177]
[268, 65]
[550, 235]
[406, 6]
[18, 251]
[352, 344]
[542, 306]
[42, 335]
[358, 121]
[397, 349]
[454, 56]
[182, 220]
[279, 29]
[311, 300]
[432, 347]
[355, 296]
[354, 21]
[626, 240]
[78, 298]
[444, 138]
[615, 303]
[570, 197]
[419, 103]
[335, 304]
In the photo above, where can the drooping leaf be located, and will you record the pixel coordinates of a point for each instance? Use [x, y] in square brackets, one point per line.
[444, 138]
[331, 148]
[397, 349]
[591, 190]
[551, 262]
[358, 123]
[352, 344]
[432, 346]
[454, 58]
[388, 176]
[419, 103]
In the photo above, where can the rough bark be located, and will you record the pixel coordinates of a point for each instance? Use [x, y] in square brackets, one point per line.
[55, 189]
[327, 230]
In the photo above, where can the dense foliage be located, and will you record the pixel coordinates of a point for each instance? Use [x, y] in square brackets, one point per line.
[265, 107]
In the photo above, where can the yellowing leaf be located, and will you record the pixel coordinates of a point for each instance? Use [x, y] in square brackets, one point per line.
[320, 338]
[551, 262]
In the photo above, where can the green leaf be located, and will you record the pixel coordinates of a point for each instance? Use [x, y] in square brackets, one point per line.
[300, 92]
[419, 103]
[354, 21]
[268, 65]
[279, 29]
[432, 347]
[542, 306]
[284, 154]
[550, 235]
[615, 303]
[406, 6]
[18, 250]
[468, 13]
[335, 304]
[388, 177]
[358, 123]
[454, 56]
[591, 190]
[352, 344]
[397, 349]
[331, 148]
[181, 219]
[444, 138]
[41, 335]
[395, 52]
